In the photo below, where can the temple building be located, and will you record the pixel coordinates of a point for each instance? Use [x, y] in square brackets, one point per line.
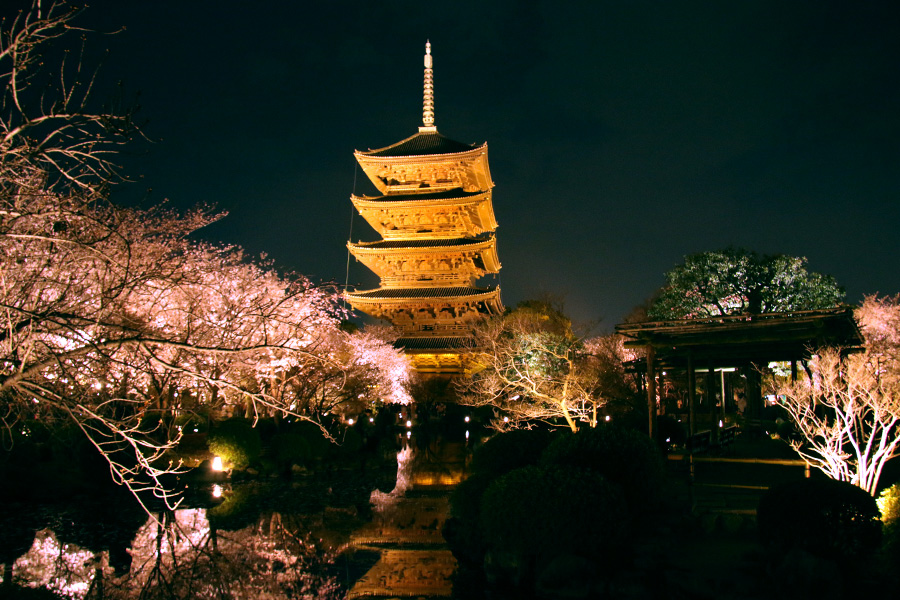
[437, 225]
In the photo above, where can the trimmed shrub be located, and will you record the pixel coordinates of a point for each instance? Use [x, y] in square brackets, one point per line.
[462, 530]
[465, 499]
[547, 511]
[236, 441]
[623, 456]
[827, 518]
[510, 450]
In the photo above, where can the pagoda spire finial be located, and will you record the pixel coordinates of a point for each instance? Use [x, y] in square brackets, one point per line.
[428, 98]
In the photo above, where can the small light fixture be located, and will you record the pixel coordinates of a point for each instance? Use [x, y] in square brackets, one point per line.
[466, 419]
[608, 418]
[217, 464]
[408, 424]
[506, 419]
[350, 421]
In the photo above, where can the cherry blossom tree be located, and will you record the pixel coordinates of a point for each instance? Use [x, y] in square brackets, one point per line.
[115, 319]
[848, 409]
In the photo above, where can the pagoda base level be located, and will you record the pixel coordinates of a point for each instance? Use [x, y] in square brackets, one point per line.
[437, 362]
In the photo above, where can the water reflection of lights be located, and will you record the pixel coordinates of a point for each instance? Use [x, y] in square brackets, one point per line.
[467, 434]
[217, 491]
[408, 434]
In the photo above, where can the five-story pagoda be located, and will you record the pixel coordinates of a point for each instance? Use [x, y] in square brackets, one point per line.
[437, 225]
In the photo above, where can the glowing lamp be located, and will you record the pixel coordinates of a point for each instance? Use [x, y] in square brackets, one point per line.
[466, 419]
[217, 464]
[350, 421]
[408, 424]
[506, 419]
[607, 418]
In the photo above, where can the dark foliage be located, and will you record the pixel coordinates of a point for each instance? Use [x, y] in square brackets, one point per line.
[289, 449]
[623, 456]
[536, 512]
[510, 450]
[827, 518]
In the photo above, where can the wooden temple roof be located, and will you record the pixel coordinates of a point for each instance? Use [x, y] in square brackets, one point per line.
[739, 339]
[423, 243]
[425, 293]
[454, 194]
[421, 144]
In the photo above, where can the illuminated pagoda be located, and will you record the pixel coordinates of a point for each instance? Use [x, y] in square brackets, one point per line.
[437, 224]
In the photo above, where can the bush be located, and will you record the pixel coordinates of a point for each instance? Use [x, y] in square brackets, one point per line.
[889, 505]
[827, 518]
[623, 456]
[510, 450]
[289, 449]
[319, 446]
[236, 441]
[536, 512]
[462, 530]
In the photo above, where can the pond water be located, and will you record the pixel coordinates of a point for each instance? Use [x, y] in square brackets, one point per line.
[340, 533]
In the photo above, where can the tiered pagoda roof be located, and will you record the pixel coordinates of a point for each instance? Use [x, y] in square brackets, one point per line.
[436, 220]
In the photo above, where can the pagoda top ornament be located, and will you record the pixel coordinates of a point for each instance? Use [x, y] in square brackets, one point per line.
[428, 125]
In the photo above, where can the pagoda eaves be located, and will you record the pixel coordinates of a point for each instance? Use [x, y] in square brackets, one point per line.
[448, 214]
[419, 262]
[418, 172]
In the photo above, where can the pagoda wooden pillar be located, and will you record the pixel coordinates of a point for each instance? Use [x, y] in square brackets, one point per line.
[713, 413]
[651, 393]
[754, 397]
[692, 398]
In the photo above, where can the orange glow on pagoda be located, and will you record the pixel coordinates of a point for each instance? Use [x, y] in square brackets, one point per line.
[436, 221]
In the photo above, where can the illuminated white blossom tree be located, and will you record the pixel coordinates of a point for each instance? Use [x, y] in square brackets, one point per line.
[848, 410]
[531, 368]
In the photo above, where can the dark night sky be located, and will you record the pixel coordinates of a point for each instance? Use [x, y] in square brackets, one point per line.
[622, 134]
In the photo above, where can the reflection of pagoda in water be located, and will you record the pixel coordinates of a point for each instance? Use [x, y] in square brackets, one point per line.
[436, 222]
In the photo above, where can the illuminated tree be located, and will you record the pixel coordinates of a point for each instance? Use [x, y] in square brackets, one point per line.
[363, 370]
[531, 367]
[738, 281]
[113, 319]
[848, 410]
